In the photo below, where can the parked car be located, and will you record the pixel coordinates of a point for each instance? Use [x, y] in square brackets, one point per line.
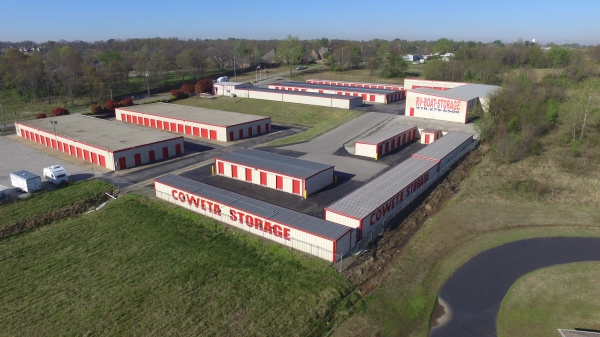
[300, 67]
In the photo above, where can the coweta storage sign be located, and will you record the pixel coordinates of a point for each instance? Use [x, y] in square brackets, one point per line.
[303, 232]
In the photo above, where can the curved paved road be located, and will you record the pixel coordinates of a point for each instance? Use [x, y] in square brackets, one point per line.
[476, 289]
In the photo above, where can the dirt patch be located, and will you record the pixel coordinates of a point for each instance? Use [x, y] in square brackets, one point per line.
[368, 271]
[79, 207]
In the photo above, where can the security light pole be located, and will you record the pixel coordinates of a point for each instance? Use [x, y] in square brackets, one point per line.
[1, 112]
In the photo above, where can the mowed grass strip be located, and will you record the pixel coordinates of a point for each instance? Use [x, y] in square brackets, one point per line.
[139, 267]
[319, 119]
[42, 202]
[563, 296]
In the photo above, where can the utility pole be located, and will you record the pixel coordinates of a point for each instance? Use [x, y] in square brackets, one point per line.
[234, 74]
[1, 112]
[111, 94]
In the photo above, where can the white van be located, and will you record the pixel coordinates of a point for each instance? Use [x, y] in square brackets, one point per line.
[26, 181]
[56, 174]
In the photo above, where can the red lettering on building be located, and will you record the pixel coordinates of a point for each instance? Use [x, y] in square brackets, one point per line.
[249, 221]
[232, 216]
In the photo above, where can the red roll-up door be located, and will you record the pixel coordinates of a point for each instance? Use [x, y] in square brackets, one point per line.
[258, 129]
[387, 147]
[159, 124]
[403, 138]
[267, 127]
[204, 133]
[102, 160]
[372, 98]
[173, 127]
[79, 153]
[86, 155]
[188, 130]
[196, 131]
[43, 140]
[122, 163]
[379, 149]
[364, 97]
[234, 171]
[393, 146]
[72, 152]
[414, 135]
[180, 128]
[296, 186]
[37, 138]
[151, 155]
[59, 146]
[165, 151]
[241, 132]
[134, 119]
[153, 123]
[177, 149]
[146, 121]
[213, 134]
[138, 159]
[231, 135]
[279, 182]
[249, 175]
[426, 138]
[412, 112]
[250, 132]
[94, 158]
[263, 178]
[54, 144]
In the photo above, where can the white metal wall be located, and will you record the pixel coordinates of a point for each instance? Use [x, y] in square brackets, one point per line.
[271, 177]
[341, 219]
[411, 83]
[300, 99]
[344, 91]
[365, 150]
[297, 239]
[319, 181]
[431, 107]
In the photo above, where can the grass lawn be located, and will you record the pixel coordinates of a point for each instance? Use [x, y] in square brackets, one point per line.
[564, 296]
[319, 119]
[46, 201]
[498, 203]
[140, 267]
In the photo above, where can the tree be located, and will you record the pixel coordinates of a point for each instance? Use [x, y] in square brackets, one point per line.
[323, 42]
[111, 105]
[40, 115]
[583, 108]
[289, 52]
[443, 46]
[126, 102]
[178, 94]
[391, 64]
[59, 112]
[96, 109]
[203, 86]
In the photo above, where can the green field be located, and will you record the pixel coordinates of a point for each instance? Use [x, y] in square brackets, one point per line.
[52, 200]
[564, 296]
[139, 267]
[319, 119]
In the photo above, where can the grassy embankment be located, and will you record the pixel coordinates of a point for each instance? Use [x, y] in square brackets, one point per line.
[552, 194]
[564, 296]
[142, 267]
[47, 206]
[319, 119]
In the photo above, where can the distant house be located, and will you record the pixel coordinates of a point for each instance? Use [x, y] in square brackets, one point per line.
[269, 57]
[413, 57]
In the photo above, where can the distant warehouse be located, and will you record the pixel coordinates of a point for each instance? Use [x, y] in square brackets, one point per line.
[309, 234]
[218, 125]
[358, 84]
[301, 97]
[437, 101]
[113, 145]
[368, 95]
[287, 174]
[378, 200]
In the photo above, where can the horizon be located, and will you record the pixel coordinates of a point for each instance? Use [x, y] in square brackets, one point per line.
[513, 20]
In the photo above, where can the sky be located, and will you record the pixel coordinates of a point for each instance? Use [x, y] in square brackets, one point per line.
[546, 21]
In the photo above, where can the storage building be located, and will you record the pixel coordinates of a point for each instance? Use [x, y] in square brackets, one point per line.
[301, 97]
[368, 206]
[228, 88]
[429, 136]
[384, 141]
[300, 231]
[217, 125]
[378, 200]
[445, 149]
[368, 95]
[287, 174]
[110, 144]
[415, 83]
[449, 105]
[359, 85]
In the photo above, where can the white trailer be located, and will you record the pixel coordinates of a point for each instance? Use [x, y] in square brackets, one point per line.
[26, 181]
[4, 191]
[56, 174]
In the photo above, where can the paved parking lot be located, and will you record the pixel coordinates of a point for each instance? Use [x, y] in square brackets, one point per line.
[15, 156]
